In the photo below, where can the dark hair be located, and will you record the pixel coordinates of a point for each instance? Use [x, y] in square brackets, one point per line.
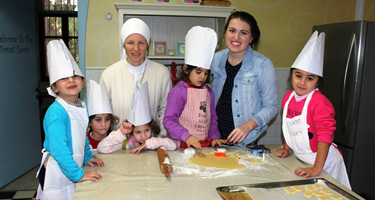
[249, 19]
[114, 122]
[155, 127]
[320, 83]
[188, 70]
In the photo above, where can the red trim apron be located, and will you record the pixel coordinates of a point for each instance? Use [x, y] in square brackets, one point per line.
[296, 136]
[56, 184]
[196, 116]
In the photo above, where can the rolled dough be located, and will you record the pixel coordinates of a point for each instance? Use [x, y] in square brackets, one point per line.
[230, 162]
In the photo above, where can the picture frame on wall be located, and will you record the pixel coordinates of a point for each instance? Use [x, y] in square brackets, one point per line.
[181, 48]
[160, 48]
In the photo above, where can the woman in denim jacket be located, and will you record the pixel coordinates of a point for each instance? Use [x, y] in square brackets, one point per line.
[244, 83]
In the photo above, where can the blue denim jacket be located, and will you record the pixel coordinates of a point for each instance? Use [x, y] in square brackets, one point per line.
[254, 94]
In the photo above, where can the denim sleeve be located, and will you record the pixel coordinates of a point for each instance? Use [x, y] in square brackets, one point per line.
[268, 94]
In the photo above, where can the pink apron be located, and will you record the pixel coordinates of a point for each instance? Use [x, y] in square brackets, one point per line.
[296, 136]
[196, 117]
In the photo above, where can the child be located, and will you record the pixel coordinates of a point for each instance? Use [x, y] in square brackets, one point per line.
[308, 117]
[137, 132]
[101, 119]
[66, 147]
[190, 115]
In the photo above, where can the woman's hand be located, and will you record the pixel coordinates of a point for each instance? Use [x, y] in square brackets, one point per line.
[126, 128]
[282, 153]
[138, 149]
[91, 176]
[98, 162]
[193, 141]
[240, 133]
[218, 142]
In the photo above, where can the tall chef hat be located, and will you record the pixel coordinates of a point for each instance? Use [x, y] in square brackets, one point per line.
[200, 45]
[311, 57]
[61, 63]
[131, 26]
[139, 111]
[97, 99]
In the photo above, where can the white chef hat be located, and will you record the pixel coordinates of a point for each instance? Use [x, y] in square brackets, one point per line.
[61, 63]
[200, 45]
[311, 57]
[139, 111]
[97, 99]
[131, 26]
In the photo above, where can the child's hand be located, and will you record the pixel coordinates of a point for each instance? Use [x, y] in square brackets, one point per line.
[193, 141]
[307, 172]
[282, 153]
[91, 176]
[98, 162]
[217, 142]
[126, 128]
[138, 149]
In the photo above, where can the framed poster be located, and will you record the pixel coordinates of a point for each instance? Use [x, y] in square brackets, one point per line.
[181, 48]
[160, 48]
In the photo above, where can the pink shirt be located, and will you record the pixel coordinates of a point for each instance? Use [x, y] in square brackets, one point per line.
[113, 142]
[320, 117]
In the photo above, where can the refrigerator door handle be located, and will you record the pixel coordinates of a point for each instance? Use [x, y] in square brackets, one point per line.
[345, 76]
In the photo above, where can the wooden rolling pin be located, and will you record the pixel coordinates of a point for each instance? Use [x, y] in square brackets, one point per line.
[164, 162]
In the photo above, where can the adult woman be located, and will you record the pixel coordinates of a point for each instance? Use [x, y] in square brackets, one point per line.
[244, 83]
[120, 77]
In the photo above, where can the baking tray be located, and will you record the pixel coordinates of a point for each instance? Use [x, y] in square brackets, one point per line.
[239, 191]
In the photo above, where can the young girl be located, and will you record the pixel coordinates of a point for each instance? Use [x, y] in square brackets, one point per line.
[101, 120]
[190, 115]
[66, 147]
[308, 117]
[138, 131]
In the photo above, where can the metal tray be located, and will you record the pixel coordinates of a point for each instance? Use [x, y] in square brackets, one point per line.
[226, 192]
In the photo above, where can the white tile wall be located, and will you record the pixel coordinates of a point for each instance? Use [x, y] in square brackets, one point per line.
[272, 136]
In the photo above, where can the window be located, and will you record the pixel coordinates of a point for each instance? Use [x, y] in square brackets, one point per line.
[57, 20]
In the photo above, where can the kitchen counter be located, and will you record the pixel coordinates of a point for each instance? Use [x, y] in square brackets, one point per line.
[138, 176]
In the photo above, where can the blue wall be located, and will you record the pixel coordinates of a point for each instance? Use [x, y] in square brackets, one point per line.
[20, 136]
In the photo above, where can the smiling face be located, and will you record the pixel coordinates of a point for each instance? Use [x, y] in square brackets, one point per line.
[136, 47]
[197, 76]
[304, 82]
[142, 132]
[69, 88]
[100, 125]
[238, 36]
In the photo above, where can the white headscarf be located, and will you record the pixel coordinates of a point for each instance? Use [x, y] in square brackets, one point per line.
[131, 26]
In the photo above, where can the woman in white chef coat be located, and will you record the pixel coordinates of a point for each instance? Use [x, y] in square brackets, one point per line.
[309, 117]
[120, 78]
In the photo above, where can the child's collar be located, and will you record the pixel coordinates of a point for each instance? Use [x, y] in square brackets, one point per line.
[191, 85]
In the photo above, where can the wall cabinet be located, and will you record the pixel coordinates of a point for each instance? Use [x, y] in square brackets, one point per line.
[170, 23]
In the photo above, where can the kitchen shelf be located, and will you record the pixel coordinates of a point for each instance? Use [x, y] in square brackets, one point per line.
[170, 23]
[166, 57]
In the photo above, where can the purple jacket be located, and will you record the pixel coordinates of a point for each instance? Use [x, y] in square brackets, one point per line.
[176, 102]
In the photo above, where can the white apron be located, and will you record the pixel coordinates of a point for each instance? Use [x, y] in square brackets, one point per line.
[196, 117]
[296, 136]
[56, 184]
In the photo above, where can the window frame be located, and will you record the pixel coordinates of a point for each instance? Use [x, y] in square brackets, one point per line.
[65, 15]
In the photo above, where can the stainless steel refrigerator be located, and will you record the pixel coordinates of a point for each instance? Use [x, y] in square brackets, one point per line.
[349, 77]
